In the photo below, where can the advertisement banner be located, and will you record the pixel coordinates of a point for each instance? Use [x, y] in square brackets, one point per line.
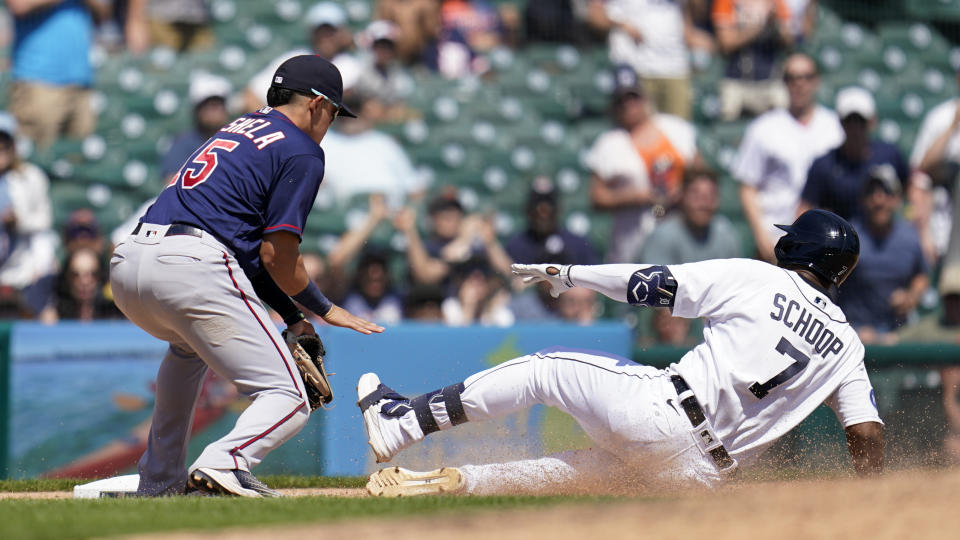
[82, 396]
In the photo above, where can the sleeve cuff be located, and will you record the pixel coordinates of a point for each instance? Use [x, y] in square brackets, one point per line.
[283, 227]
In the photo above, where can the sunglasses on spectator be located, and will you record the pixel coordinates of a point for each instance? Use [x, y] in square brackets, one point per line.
[794, 77]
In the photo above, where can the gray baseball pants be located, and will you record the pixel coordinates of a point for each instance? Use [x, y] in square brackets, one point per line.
[191, 292]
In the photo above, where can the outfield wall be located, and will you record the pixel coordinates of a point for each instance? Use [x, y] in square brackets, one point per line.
[81, 395]
[77, 399]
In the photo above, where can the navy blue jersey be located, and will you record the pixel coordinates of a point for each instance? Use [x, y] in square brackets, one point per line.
[258, 174]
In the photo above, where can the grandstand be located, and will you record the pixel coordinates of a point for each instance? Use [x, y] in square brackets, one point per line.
[535, 113]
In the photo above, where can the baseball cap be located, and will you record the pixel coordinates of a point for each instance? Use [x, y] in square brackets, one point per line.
[312, 75]
[81, 224]
[8, 124]
[542, 189]
[626, 82]
[326, 14]
[885, 177]
[855, 100]
[382, 30]
[950, 279]
[204, 86]
[444, 201]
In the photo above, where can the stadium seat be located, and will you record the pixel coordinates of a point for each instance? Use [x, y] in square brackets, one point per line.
[916, 36]
[934, 10]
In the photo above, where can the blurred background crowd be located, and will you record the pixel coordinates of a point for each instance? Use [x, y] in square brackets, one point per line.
[500, 131]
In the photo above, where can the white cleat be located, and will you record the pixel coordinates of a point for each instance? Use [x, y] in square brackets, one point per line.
[369, 384]
[400, 482]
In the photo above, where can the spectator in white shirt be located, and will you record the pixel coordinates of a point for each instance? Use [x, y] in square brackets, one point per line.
[361, 159]
[777, 151]
[936, 160]
[649, 36]
[30, 266]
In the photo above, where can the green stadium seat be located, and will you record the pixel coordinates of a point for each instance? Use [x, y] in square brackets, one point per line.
[328, 221]
[934, 10]
[65, 197]
[875, 10]
[914, 36]
[729, 196]
[730, 133]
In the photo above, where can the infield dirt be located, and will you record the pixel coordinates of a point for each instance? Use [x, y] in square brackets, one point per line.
[901, 505]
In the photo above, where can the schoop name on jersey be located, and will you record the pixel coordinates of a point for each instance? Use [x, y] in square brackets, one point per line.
[814, 331]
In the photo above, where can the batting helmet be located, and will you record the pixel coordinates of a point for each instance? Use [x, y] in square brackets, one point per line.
[822, 242]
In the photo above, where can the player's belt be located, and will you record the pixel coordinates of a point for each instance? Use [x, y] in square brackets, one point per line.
[695, 413]
[177, 229]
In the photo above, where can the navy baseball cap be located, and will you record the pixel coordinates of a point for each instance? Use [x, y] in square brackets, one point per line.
[311, 75]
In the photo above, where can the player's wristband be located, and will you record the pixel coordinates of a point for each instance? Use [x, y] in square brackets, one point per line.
[314, 300]
[271, 294]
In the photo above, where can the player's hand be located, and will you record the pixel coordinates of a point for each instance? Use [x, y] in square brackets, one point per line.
[337, 316]
[557, 275]
[301, 328]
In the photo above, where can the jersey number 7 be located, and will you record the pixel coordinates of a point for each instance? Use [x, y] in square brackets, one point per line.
[800, 361]
[191, 177]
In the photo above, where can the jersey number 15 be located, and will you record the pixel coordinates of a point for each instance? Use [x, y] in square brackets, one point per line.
[800, 361]
[207, 161]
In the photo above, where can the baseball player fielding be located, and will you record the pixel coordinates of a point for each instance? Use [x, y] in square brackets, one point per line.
[221, 241]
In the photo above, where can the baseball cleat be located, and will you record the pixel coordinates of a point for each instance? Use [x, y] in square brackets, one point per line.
[228, 482]
[371, 398]
[400, 482]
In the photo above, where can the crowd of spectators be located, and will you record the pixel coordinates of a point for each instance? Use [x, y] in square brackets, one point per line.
[419, 253]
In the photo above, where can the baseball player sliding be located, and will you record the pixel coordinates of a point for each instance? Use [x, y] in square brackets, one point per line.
[221, 238]
[775, 347]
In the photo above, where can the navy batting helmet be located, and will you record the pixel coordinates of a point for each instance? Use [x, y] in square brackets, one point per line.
[822, 242]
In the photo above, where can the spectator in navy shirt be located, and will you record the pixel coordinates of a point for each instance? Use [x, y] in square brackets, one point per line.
[545, 239]
[836, 180]
[891, 276]
[208, 94]
[453, 239]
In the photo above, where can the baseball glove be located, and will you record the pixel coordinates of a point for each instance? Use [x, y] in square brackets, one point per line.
[308, 352]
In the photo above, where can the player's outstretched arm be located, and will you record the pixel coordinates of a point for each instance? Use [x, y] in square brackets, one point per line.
[611, 280]
[337, 316]
[280, 254]
[865, 442]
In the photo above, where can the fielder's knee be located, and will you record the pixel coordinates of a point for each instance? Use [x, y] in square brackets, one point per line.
[299, 419]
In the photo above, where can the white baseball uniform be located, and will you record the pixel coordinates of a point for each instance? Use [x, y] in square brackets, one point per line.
[774, 349]
[775, 155]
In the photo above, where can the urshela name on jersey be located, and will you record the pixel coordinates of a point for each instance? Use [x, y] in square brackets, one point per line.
[805, 325]
[249, 128]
